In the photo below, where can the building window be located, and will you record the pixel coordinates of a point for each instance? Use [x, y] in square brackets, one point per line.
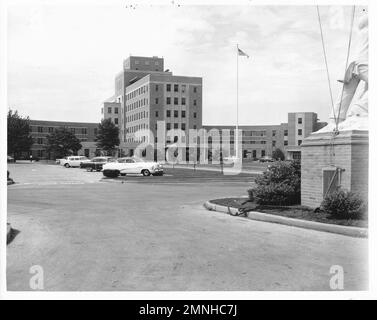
[40, 129]
[175, 113]
[176, 88]
[175, 125]
[194, 89]
[194, 102]
[168, 87]
[156, 101]
[73, 130]
[299, 132]
[83, 130]
[299, 120]
[194, 126]
[156, 113]
[183, 114]
[40, 140]
[285, 133]
[273, 133]
[116, 110]
[274, 143]
[183, 101]
[156, 87]
[50, 129]
[175, 101]
[109, 110]
[263, 153]
[168, 100]
[168, 113]
[299, 142]
[183, 126]
[194, 114]
[116, 120]
[168, 126]
[183, 88]
[285, 142]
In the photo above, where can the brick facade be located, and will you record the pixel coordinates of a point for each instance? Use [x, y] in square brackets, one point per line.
[348, 151]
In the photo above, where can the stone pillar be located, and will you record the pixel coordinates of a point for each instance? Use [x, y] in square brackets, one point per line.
[321, 153]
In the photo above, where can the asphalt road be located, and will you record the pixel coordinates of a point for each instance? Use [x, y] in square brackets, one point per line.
[143, 234]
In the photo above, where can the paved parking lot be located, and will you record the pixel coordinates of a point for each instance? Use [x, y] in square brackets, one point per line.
[150, 234]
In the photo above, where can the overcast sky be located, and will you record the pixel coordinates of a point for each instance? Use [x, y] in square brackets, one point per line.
[62, 59]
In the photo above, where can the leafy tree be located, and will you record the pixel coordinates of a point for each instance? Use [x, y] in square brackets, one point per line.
[108, 136]
[62, 142]
[19, 138]
[277, 154]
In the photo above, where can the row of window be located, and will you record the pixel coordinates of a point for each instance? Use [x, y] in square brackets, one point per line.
[169, 88]
[116, 110]
[137, 127]
[41, 129]
[146, 62]
[43, 141]
[137, 92]
[260, 133]
[175, 126]
[137, 116]
[175, 113]
[137, 104]
[176, 101]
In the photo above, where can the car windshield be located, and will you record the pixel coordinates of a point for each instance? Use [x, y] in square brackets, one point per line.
[130, 160]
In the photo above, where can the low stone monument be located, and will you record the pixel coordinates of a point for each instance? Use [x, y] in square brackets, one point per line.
[337, 155]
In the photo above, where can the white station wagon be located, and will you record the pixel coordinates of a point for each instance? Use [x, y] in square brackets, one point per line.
[132, 165]
[73, 161]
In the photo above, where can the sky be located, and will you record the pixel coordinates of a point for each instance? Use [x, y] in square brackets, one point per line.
[62, 60]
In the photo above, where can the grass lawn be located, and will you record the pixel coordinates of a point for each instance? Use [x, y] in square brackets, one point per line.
[297, 212]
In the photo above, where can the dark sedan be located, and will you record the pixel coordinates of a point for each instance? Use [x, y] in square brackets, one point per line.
[96, 163]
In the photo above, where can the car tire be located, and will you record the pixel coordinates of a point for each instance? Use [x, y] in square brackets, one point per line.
[67, 165]
[146, 173]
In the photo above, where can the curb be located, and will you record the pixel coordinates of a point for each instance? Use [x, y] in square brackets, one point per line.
[312, 225]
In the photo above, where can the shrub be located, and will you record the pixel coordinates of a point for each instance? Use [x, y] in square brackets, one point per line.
[344, 204]
[280, 184]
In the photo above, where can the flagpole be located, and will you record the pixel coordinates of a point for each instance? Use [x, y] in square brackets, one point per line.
[236, 133]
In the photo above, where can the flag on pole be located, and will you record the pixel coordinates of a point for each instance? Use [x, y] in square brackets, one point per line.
[241, 53]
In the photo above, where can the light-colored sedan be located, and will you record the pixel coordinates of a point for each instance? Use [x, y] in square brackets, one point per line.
[73, 161]
[132, 165]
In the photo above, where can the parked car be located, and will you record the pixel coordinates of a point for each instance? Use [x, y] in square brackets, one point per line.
[10, 159]
[132, 165]
[73, 161]
[96, 163]
[231, 160]
[266, 159]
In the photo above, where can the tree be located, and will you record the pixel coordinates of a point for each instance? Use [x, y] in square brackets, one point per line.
[278, 154]
[108, 136]
[62, 143]
[19, 138]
